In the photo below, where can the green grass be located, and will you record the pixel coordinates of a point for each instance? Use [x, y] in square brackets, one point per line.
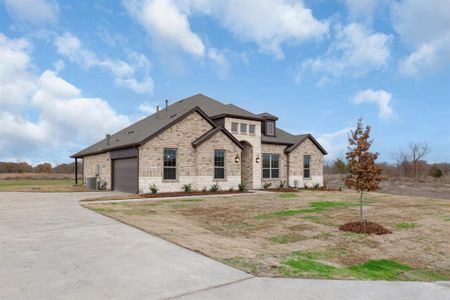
[310, 268]
[382, 269]
[191, 200]
[405, 225]
[306, 265]
[35, 182]
[316, 207]
[287, 238]
[287, 195]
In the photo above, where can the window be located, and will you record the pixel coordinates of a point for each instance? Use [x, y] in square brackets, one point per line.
[306, 166]
[97, 170]
[219, 164]
[243, 128]
[170, 164]
[252, 129]
[270, 128]
[234, 127]
[271, 166]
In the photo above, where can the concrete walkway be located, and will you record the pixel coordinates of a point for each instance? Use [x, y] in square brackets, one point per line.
[52, 248]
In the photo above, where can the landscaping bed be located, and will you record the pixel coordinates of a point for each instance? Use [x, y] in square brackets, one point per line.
[163, 195]
[364, 227]
[296, 234]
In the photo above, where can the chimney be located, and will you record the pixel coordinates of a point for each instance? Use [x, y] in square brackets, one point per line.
[167, 104]
[157, 111]
[108, 137]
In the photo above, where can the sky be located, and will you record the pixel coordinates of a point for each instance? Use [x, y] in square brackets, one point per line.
[72, 71]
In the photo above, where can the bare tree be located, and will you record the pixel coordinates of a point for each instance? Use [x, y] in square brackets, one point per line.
[402, 162]
[418, 152]
[365, 174]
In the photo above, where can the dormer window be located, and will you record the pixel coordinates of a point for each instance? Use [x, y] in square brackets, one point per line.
[270, 128]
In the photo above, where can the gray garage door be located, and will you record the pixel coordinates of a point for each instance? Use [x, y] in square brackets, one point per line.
[125, 175]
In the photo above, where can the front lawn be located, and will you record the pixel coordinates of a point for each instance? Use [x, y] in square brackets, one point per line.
[297, 234]
[40, 185]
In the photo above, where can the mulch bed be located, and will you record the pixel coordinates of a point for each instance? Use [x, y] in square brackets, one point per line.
[370, 228]
[193, 193]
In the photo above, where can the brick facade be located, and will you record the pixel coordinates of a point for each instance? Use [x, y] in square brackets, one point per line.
[195, 166]
[296, 165]
[102, 164]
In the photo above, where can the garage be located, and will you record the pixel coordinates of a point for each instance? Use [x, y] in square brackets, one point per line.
[125, 175]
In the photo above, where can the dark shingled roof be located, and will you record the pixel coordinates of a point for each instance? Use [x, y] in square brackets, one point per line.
[145, 129]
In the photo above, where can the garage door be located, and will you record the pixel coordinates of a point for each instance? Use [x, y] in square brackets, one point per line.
[125, 175]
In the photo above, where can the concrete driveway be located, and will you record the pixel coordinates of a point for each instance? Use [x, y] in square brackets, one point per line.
[52, 248]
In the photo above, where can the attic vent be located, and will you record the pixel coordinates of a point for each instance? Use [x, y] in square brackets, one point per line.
[173, 116]
[130, 132]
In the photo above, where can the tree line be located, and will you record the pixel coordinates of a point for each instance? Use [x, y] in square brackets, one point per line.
[408, 163]
[23, 167]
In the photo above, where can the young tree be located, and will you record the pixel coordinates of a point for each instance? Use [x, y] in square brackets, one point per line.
[364, 175]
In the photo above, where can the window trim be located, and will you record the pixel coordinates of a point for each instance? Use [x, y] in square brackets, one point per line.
[219, 167]
[237, 127]
[243, 125]
[307, 168]
[170, 167]
[271, 168]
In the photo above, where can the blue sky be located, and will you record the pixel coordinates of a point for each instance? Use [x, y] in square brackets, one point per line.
[71, 71]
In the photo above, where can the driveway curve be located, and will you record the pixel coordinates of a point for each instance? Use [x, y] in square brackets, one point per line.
[52, 248]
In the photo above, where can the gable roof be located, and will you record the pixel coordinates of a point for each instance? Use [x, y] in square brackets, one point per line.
[147, 128]
[209, 134]
[301, 139]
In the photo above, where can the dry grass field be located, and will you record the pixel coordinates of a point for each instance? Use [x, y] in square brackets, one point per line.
[297, 235]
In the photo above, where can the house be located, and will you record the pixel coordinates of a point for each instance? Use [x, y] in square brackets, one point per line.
[201, 141]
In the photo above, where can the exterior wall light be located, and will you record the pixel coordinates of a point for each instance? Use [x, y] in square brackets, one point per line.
[236, 159]
[257, 160]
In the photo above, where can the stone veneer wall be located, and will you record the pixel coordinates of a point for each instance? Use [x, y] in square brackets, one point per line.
[296, 165]
[205, 163]
[255, 141]
[276, 149]
[90, 167]
[180, 136]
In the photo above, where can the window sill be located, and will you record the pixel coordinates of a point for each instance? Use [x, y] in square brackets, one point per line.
[170, 180]
[220, 179]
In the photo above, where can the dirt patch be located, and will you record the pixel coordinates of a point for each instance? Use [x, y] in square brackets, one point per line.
[365, 227]
[298, 234]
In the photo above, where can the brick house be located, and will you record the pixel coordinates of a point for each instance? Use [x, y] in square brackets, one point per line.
[201, 141]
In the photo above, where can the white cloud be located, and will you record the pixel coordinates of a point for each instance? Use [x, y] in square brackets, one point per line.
[70, 46]
[269, 23]
[381, 98]
[33, 11]
[335, 143]
[16, 83]
[362, 10]
[429, 39]
[220, 62]
[356, 51]
[147, 108]
[163, 20]
[52, 114]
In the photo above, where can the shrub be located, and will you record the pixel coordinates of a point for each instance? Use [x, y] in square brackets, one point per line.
[282, 184]
[215, 187]
[153, 189]
[267, 185]
[296, 183]
[187, 188]
[435, 172]
[316, 186]
[204, 189]
[242, 187]
[231, 189]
